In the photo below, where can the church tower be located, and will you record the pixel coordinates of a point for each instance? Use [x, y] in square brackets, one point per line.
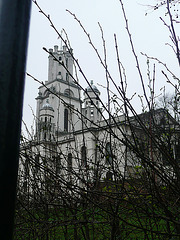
[58, 102]
[91, 109]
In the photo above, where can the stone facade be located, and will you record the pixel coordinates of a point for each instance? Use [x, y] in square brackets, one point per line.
[72, 136]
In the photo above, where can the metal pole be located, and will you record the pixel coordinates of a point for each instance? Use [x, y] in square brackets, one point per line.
[14, 25]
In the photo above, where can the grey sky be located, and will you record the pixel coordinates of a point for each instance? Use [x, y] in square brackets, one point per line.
[148, 32]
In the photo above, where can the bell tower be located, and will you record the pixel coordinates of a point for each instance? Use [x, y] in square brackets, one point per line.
[60, 93]
[91, 109]
[57, 69]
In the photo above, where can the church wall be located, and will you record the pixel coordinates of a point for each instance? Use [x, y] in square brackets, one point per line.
[82, 139]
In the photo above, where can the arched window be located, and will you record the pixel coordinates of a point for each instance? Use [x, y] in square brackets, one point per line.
[108, 153]
[67, 62]
[58, 164]
[83, 156]
[36, 159]
[45, 136]
[68, 93]
[109, 176]
[66, 120]
[46, 93]
[69, 162]
[92, 112]
[67, 76]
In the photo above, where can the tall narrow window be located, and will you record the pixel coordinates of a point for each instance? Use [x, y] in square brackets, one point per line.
[92, 112]
[108, 153]
[58, 164]
[66, 120]
[177, 152]
[36, 163]
[67, 62]
[67, 76]
[83, 156]
[45, 136]
[69, 162]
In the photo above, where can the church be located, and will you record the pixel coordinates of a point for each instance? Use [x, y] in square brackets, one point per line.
[76, 142]
[81, 170]
[72, 125]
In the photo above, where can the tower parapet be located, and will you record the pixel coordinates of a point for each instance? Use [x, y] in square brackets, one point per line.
[63, 68]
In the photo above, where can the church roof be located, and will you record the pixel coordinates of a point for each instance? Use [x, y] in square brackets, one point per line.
[47, 106]
[93, 88]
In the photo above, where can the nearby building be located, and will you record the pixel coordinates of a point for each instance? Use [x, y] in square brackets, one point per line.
[72, 136]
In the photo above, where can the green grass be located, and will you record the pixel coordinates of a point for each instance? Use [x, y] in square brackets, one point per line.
[91, 221]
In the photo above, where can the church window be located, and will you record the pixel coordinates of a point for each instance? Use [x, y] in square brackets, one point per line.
[67, 62]
[66, 120]
[108, 153]
[45, 119]
[92, 112]
[109, 176]
[60, 58]
[59, 73]
[83, 156]
[177, 152]
[44, 136]
[68, 93]
[69, 162]
[36, 163]
[58, 161]
[67, 76]
[46, 93]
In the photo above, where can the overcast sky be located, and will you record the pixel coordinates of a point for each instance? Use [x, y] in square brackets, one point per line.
[148, 32]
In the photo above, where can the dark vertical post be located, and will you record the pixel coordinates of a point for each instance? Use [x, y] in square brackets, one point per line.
[14, 25]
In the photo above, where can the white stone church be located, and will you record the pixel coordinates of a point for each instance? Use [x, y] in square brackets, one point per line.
[72, 126]
[72, 134]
